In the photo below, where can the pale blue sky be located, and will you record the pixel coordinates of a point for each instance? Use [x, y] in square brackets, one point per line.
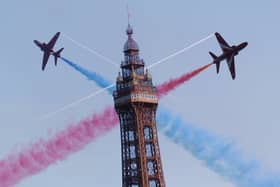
[245, 110]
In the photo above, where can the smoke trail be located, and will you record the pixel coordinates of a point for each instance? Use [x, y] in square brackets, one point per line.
[216, 153]
[75, 103]
[90, 75]
[185, 49]
[112, 62]
[42, 154]
[91, 51]
[166, 87]
[163, 88]
[105, 85]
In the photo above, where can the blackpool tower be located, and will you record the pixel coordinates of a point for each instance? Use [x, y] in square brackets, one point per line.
[136, 103]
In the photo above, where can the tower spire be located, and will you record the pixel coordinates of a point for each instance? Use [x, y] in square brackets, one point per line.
[128, 14]
[129, 31]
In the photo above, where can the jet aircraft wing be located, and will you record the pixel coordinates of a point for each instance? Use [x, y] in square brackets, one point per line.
[45, 59]
[53, 41]
[231, 66]
[223, 44]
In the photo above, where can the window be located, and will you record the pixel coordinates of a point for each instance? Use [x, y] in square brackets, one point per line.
[133, 165]
[132, 151]
[151, 168]
[133, 169]
[131, 135]
[148, 133]
[126, 73]
[150, 150]
[140, 71]
[153, 183]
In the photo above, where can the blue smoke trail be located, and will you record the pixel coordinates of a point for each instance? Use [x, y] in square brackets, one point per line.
[216, 153]
[90, 75]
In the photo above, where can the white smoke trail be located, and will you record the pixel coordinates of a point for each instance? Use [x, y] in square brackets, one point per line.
[110, 86]
[181, 51]
[65, 107]
[91, 51]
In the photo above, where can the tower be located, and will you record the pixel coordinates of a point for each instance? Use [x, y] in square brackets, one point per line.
[136, 102]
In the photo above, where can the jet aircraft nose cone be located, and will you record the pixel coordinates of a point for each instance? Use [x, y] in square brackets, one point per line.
[217, 34]
[37, 43]
[243, 45]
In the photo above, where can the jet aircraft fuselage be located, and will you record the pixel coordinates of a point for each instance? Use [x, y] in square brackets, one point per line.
[43, 46]
[233, 50]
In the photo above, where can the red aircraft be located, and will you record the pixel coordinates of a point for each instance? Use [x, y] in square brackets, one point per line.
[48, 50]
[228, 54]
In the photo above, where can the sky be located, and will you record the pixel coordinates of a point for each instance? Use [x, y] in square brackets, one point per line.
[244, 111]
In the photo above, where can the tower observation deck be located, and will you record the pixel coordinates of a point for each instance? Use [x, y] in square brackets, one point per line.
[136, 103]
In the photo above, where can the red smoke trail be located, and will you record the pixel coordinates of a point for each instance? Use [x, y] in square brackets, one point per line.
[166, 87]
[42, 154]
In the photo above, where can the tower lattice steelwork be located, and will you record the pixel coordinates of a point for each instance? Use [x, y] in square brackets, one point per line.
[136, 103]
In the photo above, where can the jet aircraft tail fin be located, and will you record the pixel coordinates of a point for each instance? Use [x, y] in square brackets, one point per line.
[214, 61]
[57, 55]
[213, 55]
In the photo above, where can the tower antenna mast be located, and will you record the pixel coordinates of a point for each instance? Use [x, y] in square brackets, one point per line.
[128, 14]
